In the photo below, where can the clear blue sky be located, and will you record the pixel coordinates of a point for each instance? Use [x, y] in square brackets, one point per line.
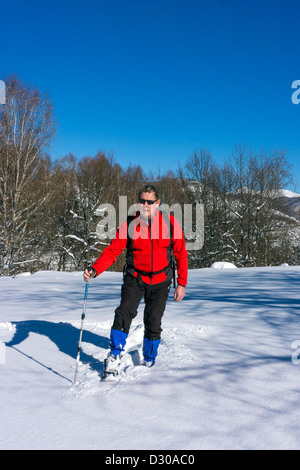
[153, 81]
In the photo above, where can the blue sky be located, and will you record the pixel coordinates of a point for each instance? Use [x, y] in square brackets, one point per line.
[153, 81]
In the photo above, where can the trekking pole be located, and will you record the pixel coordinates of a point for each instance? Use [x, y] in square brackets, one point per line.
[81, 329]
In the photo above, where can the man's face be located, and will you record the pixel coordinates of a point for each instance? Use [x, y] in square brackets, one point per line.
[148, 210]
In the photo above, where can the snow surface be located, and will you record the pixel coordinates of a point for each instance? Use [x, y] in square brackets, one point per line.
[224, 377]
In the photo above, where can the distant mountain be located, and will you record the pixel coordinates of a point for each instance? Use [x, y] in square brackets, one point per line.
[291, 202]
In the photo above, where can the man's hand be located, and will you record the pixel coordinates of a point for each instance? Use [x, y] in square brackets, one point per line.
[88, 274]
[179, 293]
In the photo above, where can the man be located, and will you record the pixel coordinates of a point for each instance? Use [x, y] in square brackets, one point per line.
[150, 238]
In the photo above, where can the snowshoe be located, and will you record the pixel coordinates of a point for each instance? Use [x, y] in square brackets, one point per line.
[112, 367]
[147, 363]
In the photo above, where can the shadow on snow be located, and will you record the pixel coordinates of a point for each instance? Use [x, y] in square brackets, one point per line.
[66, 338]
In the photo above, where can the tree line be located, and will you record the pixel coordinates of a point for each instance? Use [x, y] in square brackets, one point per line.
[48, 209]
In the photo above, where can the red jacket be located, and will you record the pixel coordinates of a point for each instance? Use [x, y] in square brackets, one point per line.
[149, 248]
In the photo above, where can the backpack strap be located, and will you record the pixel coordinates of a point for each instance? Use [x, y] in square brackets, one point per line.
[171, 228]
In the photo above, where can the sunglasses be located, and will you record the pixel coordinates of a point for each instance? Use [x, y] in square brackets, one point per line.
[143, 201]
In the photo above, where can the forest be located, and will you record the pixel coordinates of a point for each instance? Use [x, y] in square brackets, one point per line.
[49, 208]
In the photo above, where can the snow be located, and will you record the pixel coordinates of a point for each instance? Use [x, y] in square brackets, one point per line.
[287, 193]
[227, 375]
[222, 265]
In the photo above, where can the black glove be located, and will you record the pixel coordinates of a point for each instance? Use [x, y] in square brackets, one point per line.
[92, 271]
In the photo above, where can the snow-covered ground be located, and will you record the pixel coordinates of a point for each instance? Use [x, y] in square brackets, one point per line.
[227, 375]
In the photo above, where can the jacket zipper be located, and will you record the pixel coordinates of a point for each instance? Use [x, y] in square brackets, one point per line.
[149, 228]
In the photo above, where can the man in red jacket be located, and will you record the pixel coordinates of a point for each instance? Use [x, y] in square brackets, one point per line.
[150, 238]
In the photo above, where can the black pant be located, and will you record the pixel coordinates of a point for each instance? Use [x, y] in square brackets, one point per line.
[155, 303]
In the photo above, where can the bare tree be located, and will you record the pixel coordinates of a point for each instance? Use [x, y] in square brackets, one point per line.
[244, 221]
[256, 222]
[27, 127]
[199, 179]
[84, 185]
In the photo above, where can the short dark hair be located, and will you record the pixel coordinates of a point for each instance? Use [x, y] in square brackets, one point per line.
[149, 188]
